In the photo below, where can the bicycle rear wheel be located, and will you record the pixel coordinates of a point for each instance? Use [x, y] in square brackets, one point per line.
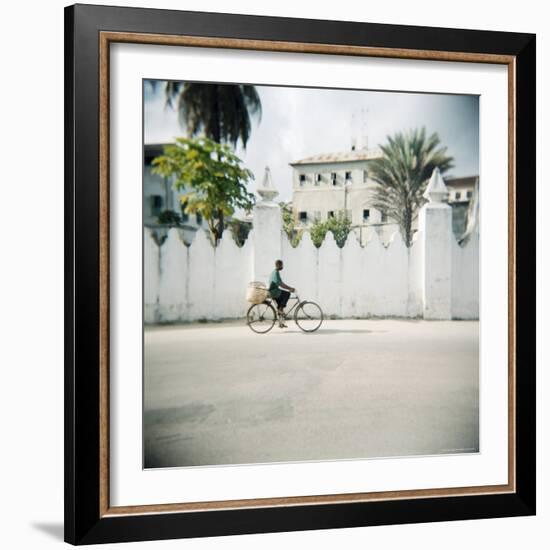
[308, 316]
[261, 317]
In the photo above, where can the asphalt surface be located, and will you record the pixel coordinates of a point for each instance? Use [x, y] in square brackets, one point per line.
[218, 393]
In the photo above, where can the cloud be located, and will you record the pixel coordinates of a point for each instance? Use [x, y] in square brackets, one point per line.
[298, 122]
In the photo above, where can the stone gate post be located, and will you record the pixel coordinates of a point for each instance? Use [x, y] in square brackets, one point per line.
[436, 232]
[267, 227]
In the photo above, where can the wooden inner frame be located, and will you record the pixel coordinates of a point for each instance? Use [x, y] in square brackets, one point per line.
[105, 39]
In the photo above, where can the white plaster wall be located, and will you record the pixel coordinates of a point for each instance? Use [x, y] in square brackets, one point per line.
[371, 300]
[202, 267]
[266, 239]
[174, 279]
[436, 227]
[301, 267]
[352, 269]
[329, 276]
[465, 279]
[231, 275]
[189, 283]
[394, 275]
[415, 274]
[151, 274]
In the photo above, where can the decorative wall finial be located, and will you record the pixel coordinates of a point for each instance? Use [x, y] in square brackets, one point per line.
[267, 190]
[436, 190]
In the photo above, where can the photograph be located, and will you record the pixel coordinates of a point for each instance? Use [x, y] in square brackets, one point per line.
[310, 274]
[299, 274]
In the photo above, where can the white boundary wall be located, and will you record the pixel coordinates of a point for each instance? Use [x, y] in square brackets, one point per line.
[202, 282]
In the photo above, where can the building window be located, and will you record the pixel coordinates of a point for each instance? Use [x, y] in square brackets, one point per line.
[366, 215]
[468, 194]
[302, 179]
[198, 218]
[156, 205]
[365, 176]
[457, 195]
[383, 217]
[302, 216]
[330, 214]
[333, 178]
[318, 178]
[348, 176]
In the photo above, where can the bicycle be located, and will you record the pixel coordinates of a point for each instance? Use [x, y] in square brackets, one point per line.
[262, 317]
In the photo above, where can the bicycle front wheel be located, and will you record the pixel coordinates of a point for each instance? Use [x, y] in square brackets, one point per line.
[308, 316]
[261, 317]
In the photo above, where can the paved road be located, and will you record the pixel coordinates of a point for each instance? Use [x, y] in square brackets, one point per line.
[219, 394]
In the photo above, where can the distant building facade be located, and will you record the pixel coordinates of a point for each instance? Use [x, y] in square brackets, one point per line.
[159, 195]
[333, 184]
[462, 191]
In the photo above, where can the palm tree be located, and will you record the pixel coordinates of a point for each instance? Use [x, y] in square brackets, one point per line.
[221, 111]
[402, 173]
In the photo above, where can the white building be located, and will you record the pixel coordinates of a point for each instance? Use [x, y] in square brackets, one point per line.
[461, 190]
[328, 184]
[159, 195]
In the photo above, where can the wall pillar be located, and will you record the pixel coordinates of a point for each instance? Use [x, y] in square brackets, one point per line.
[266, 234]
[436, 232]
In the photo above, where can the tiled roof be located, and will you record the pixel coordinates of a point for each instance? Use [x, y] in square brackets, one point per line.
[345, 156]
[468, 181]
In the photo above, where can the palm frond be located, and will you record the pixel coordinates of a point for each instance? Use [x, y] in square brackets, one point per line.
[221, 112]
[402, 173]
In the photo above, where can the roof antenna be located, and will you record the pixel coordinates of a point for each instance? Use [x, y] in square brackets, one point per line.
[364, 129]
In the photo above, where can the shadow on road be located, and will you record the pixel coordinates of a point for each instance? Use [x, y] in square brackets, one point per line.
[345, 331]
[322, 331]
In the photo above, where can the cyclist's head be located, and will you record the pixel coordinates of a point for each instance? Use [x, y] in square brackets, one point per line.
[279, 264]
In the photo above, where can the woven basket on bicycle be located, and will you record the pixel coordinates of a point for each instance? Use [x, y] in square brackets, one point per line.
[257, 292]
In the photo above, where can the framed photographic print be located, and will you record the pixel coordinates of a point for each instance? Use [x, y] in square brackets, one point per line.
[300, 283]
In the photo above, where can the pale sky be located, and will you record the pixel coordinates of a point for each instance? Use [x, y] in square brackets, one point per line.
[300, 122]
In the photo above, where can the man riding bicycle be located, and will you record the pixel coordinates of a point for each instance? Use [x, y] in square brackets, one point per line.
[279, 291]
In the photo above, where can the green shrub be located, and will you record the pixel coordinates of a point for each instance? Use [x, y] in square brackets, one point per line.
[339, 226]
[169, 217]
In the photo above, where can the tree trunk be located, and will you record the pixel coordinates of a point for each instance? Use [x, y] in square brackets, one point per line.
[219, 226]
[216, 116]
[212, 228]
[407, 230]
[217, 137]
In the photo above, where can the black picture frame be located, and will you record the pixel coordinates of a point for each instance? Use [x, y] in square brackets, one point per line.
[84, 521]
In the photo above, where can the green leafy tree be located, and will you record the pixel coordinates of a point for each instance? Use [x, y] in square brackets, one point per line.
[289, 225]
[211, 176]
[222, 112]
[402, 174]
[240, 230]
[339, 226]
[169, 217]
